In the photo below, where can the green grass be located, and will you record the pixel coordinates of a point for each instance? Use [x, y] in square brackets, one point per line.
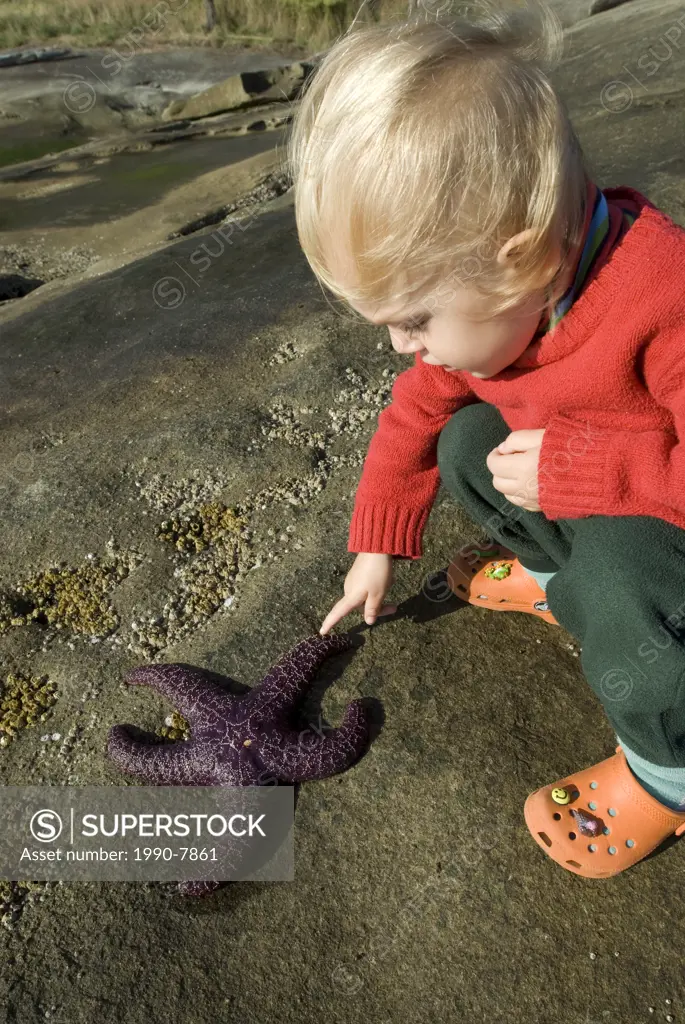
[257, 23]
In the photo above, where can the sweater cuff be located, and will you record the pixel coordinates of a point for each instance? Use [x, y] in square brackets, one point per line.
[387, 529]
[573, 474]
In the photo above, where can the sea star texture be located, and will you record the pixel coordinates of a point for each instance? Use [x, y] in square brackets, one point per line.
[249, 740]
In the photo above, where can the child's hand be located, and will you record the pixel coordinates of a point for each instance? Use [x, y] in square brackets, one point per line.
[514, 468]
[366, 584]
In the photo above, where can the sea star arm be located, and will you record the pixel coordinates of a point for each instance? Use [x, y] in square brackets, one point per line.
[307, 755]
[291, 677]
[197, 697]
[166, 764]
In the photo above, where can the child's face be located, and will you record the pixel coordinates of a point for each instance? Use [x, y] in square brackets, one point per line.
[448, 335]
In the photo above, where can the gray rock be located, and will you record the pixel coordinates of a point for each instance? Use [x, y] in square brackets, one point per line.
[597, 6]
[624, 85]
[249, 87]
[36, 55]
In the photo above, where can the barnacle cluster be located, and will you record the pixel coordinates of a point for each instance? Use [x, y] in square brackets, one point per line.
[174, 728]
[285, 424]
[204, 583]
[181, 496]
[196, 531]
[24, 700]
[357, 406]
[285, 353]
[211, 552]
[362, 402]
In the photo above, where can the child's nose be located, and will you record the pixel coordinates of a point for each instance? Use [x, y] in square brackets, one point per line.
[402, 344]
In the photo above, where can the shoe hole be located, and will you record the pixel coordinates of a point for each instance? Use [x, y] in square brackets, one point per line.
[592, 805]
[612, 849]
[606, 830]
[545, 838]
[572, 835]
[574, 863]
[593, 785]
[592, 848]
[613, 812]
[557, 816]
[630, 842]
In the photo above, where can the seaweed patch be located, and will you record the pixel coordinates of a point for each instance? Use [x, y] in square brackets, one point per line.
[73, 598]
[24, 701]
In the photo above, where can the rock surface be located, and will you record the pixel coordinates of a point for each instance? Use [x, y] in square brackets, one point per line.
[103, 178]
[213, 372]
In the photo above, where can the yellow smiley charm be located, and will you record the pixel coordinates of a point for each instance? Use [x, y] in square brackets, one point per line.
[561, 796]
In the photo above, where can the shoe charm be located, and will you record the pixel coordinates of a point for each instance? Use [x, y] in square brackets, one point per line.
[498, 570]
[588, 824]
[560, 795]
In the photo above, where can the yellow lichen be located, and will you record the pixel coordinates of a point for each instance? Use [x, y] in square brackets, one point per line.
[24, 701]
[208, 524]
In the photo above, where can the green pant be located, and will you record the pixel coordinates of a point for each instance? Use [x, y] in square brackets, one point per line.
[619, 588]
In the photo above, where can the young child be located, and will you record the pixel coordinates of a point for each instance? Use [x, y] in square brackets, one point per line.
[440, 190]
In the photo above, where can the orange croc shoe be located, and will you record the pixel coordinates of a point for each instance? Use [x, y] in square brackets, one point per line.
[600, 820]
[493, 577]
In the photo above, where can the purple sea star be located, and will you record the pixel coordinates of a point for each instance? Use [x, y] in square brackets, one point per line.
[243, 741]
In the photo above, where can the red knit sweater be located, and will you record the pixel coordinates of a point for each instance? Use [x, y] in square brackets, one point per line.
[607, 385]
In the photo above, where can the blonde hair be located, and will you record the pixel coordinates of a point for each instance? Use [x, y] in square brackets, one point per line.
[421, 146]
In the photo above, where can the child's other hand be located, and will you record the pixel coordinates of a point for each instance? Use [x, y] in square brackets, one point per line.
[366, 583]
[514, 467]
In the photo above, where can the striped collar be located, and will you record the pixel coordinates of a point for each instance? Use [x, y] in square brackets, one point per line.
[596, 234]
[604, 228]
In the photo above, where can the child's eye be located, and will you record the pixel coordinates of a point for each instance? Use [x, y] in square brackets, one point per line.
[415, 327]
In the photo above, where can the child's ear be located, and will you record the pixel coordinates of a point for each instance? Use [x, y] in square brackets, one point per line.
[515, 247]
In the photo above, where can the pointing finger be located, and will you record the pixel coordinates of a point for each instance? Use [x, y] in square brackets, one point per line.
[339, 611]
